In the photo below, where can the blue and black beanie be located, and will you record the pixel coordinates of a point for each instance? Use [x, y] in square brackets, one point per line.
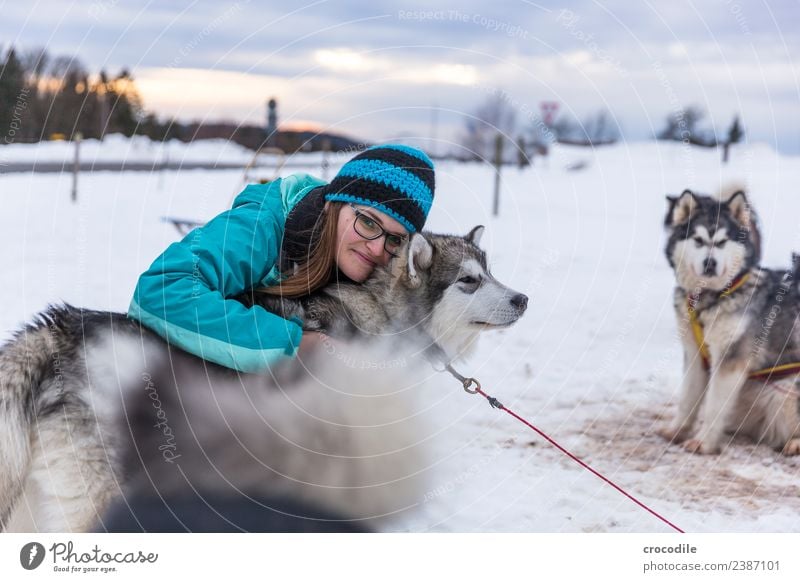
[397, 180]
[394, 179]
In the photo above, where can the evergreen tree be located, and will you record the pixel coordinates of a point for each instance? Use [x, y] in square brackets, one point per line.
[735, 132]
[735, 135]
[125, 105]
[66, 98]
[683, 125]
[101, 89]
[14, 99]
[35, 62]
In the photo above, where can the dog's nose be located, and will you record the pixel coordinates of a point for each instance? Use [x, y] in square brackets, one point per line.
[710, 266]
[520, 301]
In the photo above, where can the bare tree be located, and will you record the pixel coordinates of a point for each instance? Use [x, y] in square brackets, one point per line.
[35, 62]
[600, 128]
[596, 129]
[494, 116]
[683, 125]
[735, 135]
[70, 104]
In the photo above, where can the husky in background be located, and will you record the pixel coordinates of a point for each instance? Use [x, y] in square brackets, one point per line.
[96, 409]
[738, 325]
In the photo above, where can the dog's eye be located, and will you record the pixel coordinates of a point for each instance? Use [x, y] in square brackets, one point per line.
[720, 244]
[469, 280]
[698, 241]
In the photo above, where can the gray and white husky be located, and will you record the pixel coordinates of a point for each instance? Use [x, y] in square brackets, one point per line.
[738, 323]
[97, 412]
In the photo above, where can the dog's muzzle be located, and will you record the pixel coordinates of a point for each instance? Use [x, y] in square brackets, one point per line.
[710, 267]
[520, 302]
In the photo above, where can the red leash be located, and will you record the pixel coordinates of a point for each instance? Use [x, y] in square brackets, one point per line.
[468, 382]
[496, 404]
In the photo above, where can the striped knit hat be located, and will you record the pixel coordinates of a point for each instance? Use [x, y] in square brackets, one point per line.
[397, 180]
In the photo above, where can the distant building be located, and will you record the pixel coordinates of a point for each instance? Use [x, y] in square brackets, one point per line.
[256, 137]
[253, 137]
[272, 121]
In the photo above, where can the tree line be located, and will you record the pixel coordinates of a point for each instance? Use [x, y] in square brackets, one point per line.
[499, 115]
[44, 97]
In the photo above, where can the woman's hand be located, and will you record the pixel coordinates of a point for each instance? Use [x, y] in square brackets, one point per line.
[312, 342]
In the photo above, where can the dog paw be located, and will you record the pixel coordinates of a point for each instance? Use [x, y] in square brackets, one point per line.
[698, 447]
[792, 448]
[672, 435]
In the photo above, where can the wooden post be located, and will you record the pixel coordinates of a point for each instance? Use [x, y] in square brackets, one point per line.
[326, 164]
[498, 165]
[523, 160]
[164, 165]
[76, 165]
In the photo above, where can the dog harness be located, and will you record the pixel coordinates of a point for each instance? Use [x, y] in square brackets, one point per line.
[697, 327]
[764, 374]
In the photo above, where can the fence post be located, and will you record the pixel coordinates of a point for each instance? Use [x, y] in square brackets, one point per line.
[326, 164]
[498, 165]
[76, 166]
[523, 159]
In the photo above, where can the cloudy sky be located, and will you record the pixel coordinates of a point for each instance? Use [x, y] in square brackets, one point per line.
[380, 70]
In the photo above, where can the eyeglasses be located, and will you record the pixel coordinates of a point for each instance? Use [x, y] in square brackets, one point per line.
[368, 228]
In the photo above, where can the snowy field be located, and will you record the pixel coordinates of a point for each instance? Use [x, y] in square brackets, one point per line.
[595, 362]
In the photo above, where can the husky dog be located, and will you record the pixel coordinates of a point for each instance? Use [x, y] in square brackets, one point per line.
[448, 303]
[96, 410]
[738, 325]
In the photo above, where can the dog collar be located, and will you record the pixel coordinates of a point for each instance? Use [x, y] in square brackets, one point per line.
[736, 284]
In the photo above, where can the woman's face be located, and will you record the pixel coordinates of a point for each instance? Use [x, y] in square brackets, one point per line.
[356, 256]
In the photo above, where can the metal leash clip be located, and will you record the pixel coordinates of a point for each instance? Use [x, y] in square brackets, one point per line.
[467, 382]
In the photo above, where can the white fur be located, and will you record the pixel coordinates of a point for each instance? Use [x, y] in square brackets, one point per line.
[476, 234]
[448, 326]
[722, 394]
[726, 191]
[345, 436]
[459, 315]
[690, 260]
[683, 208]
[420, 255]
[114, 362]
[70, 481]
[695, 382]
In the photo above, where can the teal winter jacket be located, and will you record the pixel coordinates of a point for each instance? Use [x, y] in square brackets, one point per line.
[186, 294]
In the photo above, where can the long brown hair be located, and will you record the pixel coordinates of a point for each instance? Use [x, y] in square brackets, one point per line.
[317, 271]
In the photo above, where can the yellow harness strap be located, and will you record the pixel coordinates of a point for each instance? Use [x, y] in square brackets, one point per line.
[697, 327]
[765, 374]
[776, 372]
[697, 331]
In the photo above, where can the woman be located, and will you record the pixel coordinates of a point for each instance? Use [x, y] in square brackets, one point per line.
[290, 238]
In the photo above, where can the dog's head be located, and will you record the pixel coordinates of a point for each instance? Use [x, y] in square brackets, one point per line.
[711, 240]
[445, 281]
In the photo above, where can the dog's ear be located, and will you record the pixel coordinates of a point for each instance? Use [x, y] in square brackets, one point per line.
[671, 200]
[420, 258]
[681, 208]
[740, 208]
[474, 236]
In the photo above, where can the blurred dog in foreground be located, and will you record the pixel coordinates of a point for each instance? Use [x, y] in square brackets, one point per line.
[98, 412]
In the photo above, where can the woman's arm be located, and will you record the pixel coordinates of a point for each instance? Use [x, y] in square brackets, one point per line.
[186, 294]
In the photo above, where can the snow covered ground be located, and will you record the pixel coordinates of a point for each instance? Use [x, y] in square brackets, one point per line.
[595, 362]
